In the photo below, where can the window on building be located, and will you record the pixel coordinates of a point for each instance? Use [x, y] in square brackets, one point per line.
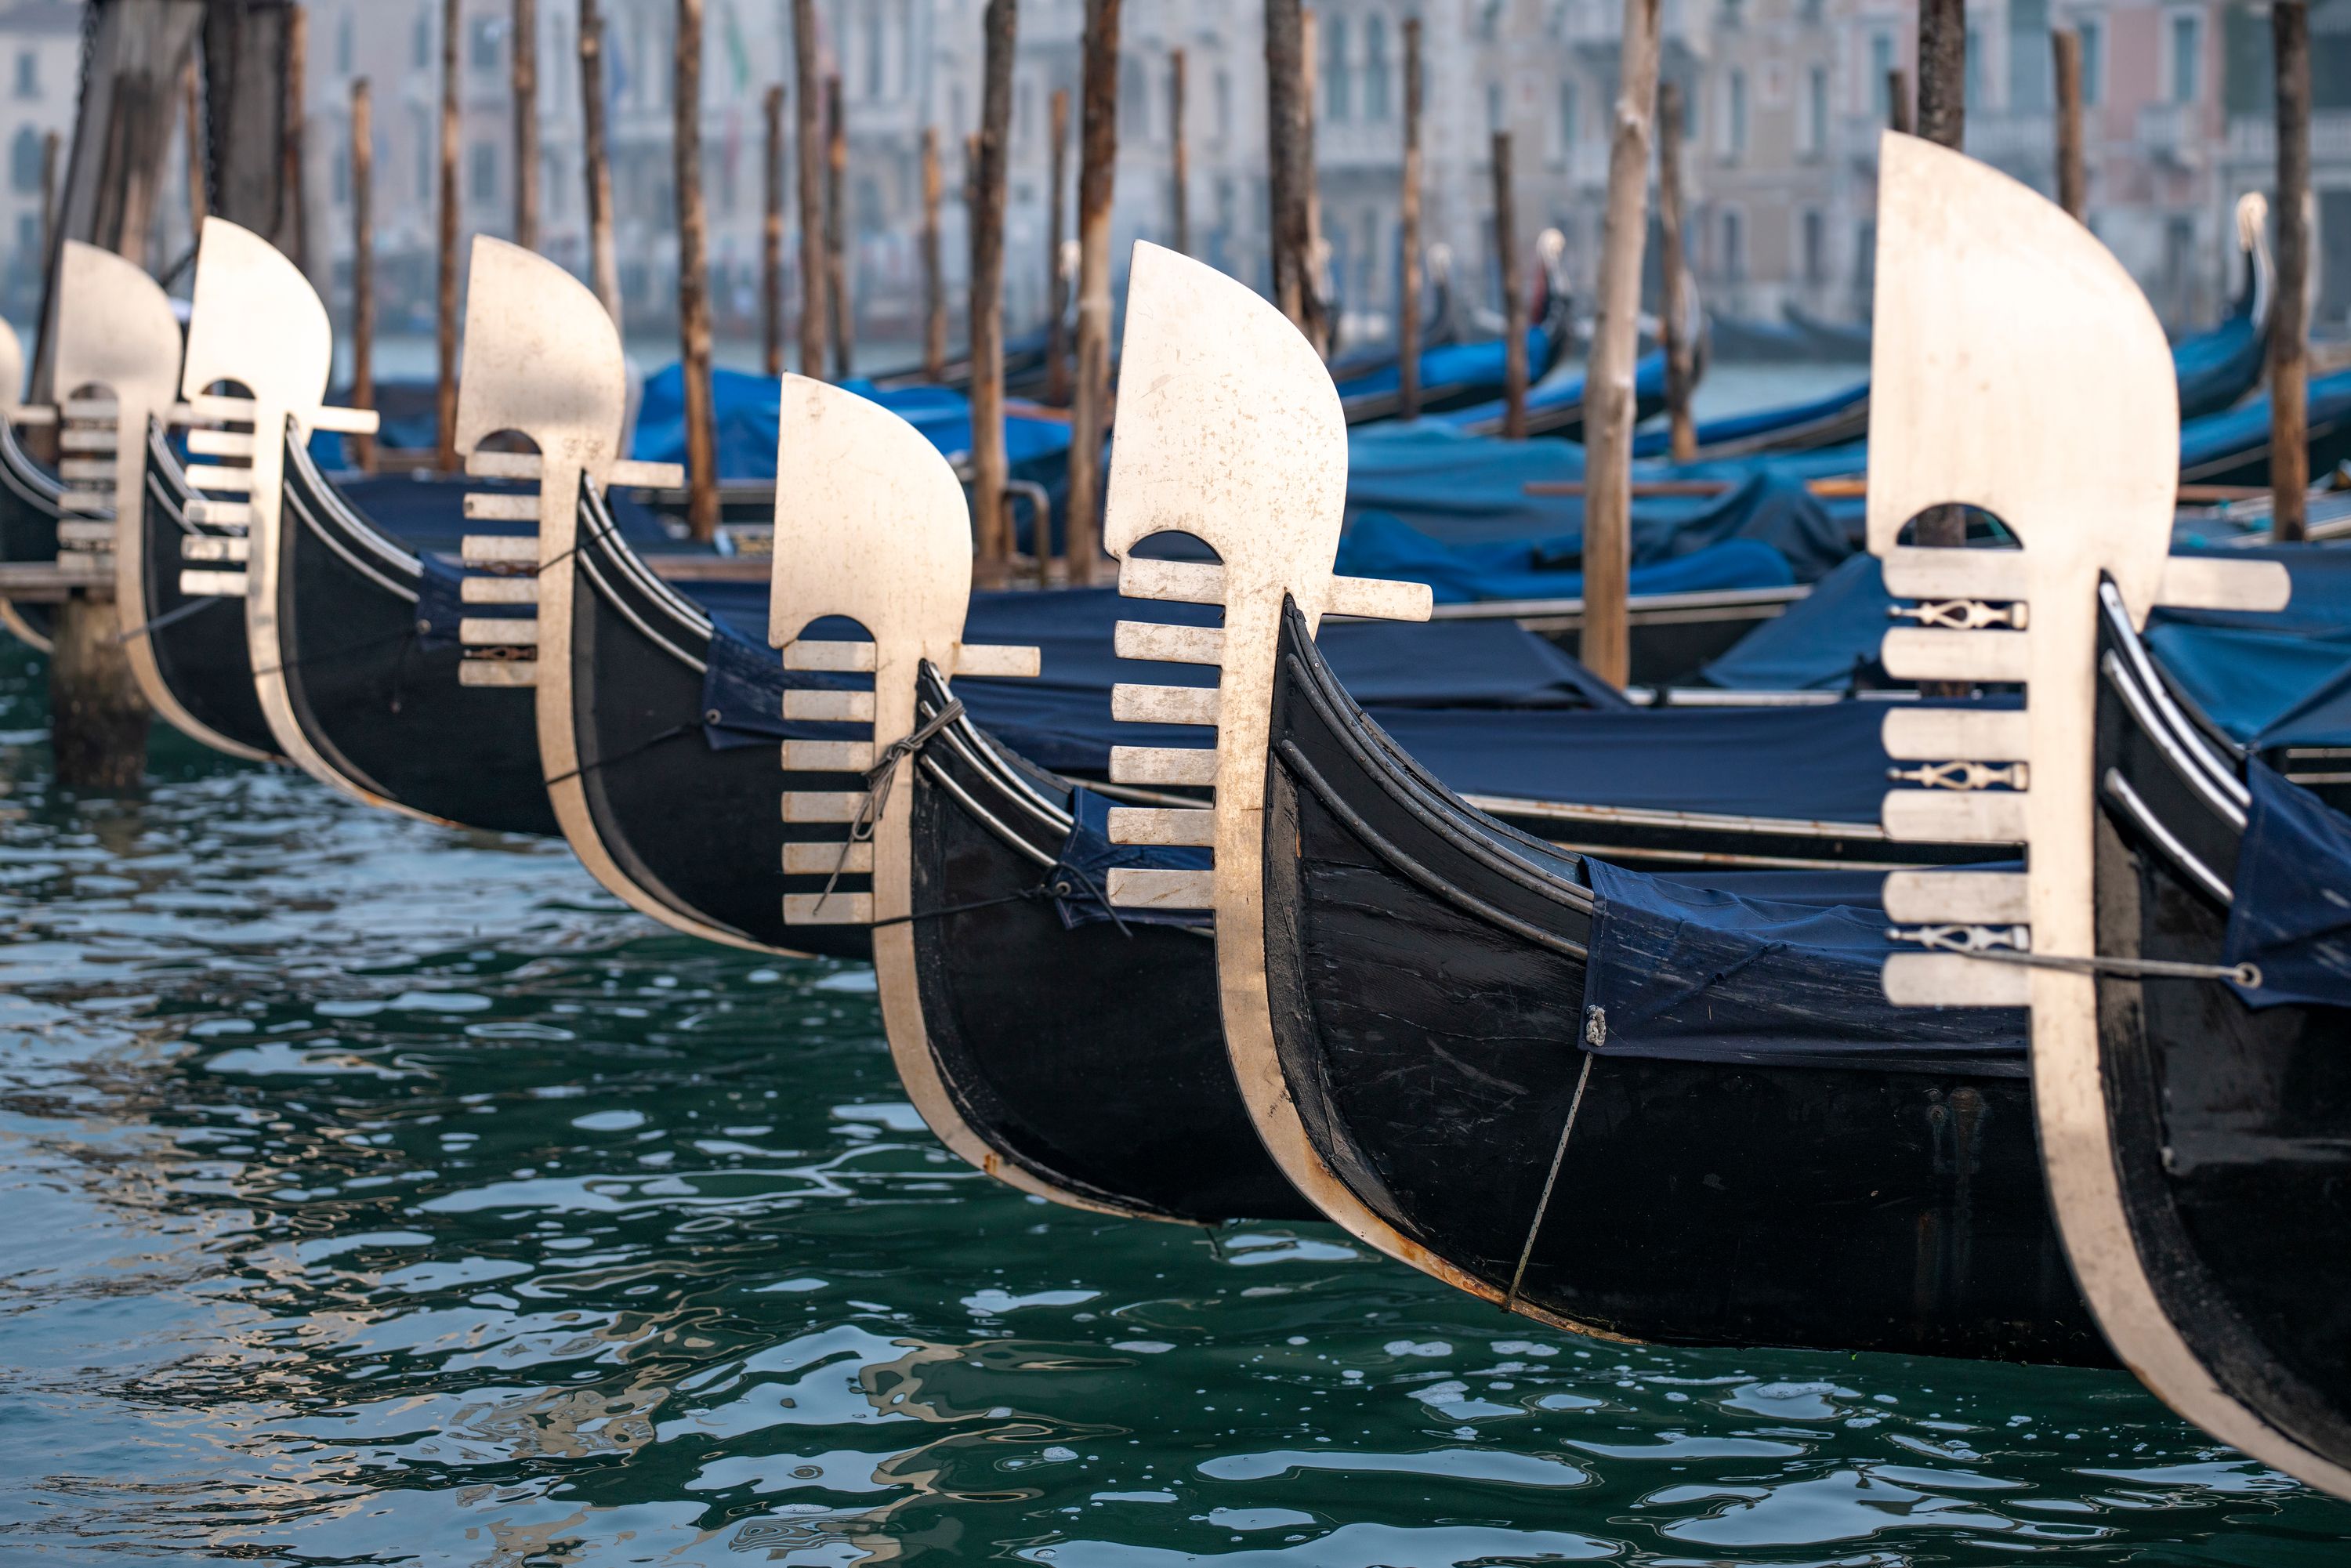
[420, 44]
[482, 45]
[1493, 106]
[28, 74]
[25, 161]
[1816, 110]
[2094, 60]
[1133, 100]
[1338, 84]
[1734, 246]
[1973, 87]
[343, 43]
[1375, 68]
[874, 51]
[2187, 56]
[1571, 117]
[1734, 113]
[1816, 246]
[28, 242]
[482, 172]
[2028, 55]
[342, 176]
[1881, 77]
[1224, 107]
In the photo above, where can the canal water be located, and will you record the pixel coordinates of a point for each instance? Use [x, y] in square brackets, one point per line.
[376, 1194]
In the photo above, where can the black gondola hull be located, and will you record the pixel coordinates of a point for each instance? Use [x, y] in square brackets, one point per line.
[197, 642]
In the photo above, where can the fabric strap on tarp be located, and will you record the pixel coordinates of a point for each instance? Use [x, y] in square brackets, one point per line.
[2290, 913]
[1769, 969]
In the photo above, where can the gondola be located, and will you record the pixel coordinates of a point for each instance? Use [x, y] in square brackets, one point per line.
[1406, 983]
[29, 499]
[2178, 939]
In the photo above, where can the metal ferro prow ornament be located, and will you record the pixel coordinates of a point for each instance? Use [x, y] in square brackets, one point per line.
[2018, 369]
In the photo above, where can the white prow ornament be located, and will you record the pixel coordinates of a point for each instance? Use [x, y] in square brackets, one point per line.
[255, 323]
[2017, 368]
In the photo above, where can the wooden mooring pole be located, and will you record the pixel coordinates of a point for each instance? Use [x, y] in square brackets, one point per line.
[934, 282]
[2072, 172]
[2290, 324]
[1408, 281]
[1313, 256]
[1681, 354]
[1897, 101]
[1057, 277]
[1609, 395]
[523, 63]
[1179, 189]
[992, 533]
[807, 88]
[444, 401]
[192, 121]
[1285, 197]
[294, 208]
[596, 163]
[693, 280]
[1514, 294]
[1943, 120]
[1098, 169]
[362, 154]
[836, 233]
[771, 238]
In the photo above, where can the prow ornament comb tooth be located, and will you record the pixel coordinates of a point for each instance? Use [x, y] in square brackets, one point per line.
[872, 525]
[2017, 368]
[541, 359]
[1231, 431]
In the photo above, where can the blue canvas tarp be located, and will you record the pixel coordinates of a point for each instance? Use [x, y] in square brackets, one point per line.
[1378, 544]
[746, 418]
[1769, 968]
[2291, 912]
[1447, 367]
[2264, 679]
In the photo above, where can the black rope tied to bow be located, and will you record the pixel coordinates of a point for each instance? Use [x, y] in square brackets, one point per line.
[1058, 887]
[638, 749]
[157, 623]
[878, 780]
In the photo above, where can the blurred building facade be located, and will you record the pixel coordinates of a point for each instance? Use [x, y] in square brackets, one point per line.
[1785, 102]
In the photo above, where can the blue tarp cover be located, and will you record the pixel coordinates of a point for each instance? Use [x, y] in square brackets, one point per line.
[746, 416]
[1813, 764]
[1448, 366]
[2291, 912]
[1062, 719]
[1379, 544]
[1769, 968]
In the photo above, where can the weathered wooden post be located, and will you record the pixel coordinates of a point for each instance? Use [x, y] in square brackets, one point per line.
[1943, 119]
[1943, 72]
[294, 208]
[1514, 297]
[693, 280]
[935, 287]
[1098, 170]
[362, 155]
[1609, 395]
[771, 238]
[2073, 175]
[1285, 192]
[523, 62]
[808, 87]
[836, 233]
[1180, 218]
[49, 148]
[991, 530]
[192, 114]
[1897, 101]
[1680, 352]
[1408, 264]
[444, 403]
[1057, 279]
[1314, 263]
[596, 163]
[2290, 324]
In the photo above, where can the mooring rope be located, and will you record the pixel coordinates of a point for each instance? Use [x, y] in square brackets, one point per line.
[878, 780]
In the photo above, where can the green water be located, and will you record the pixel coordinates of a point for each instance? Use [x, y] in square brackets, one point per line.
[371, 1193]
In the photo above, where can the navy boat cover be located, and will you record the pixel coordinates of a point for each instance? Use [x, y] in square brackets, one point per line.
[2291, 909]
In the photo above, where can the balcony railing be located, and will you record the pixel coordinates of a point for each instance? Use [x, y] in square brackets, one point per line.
[2174, 133]
[2254, 138]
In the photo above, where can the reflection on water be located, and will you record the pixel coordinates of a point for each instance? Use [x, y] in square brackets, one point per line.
[380, 1194]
